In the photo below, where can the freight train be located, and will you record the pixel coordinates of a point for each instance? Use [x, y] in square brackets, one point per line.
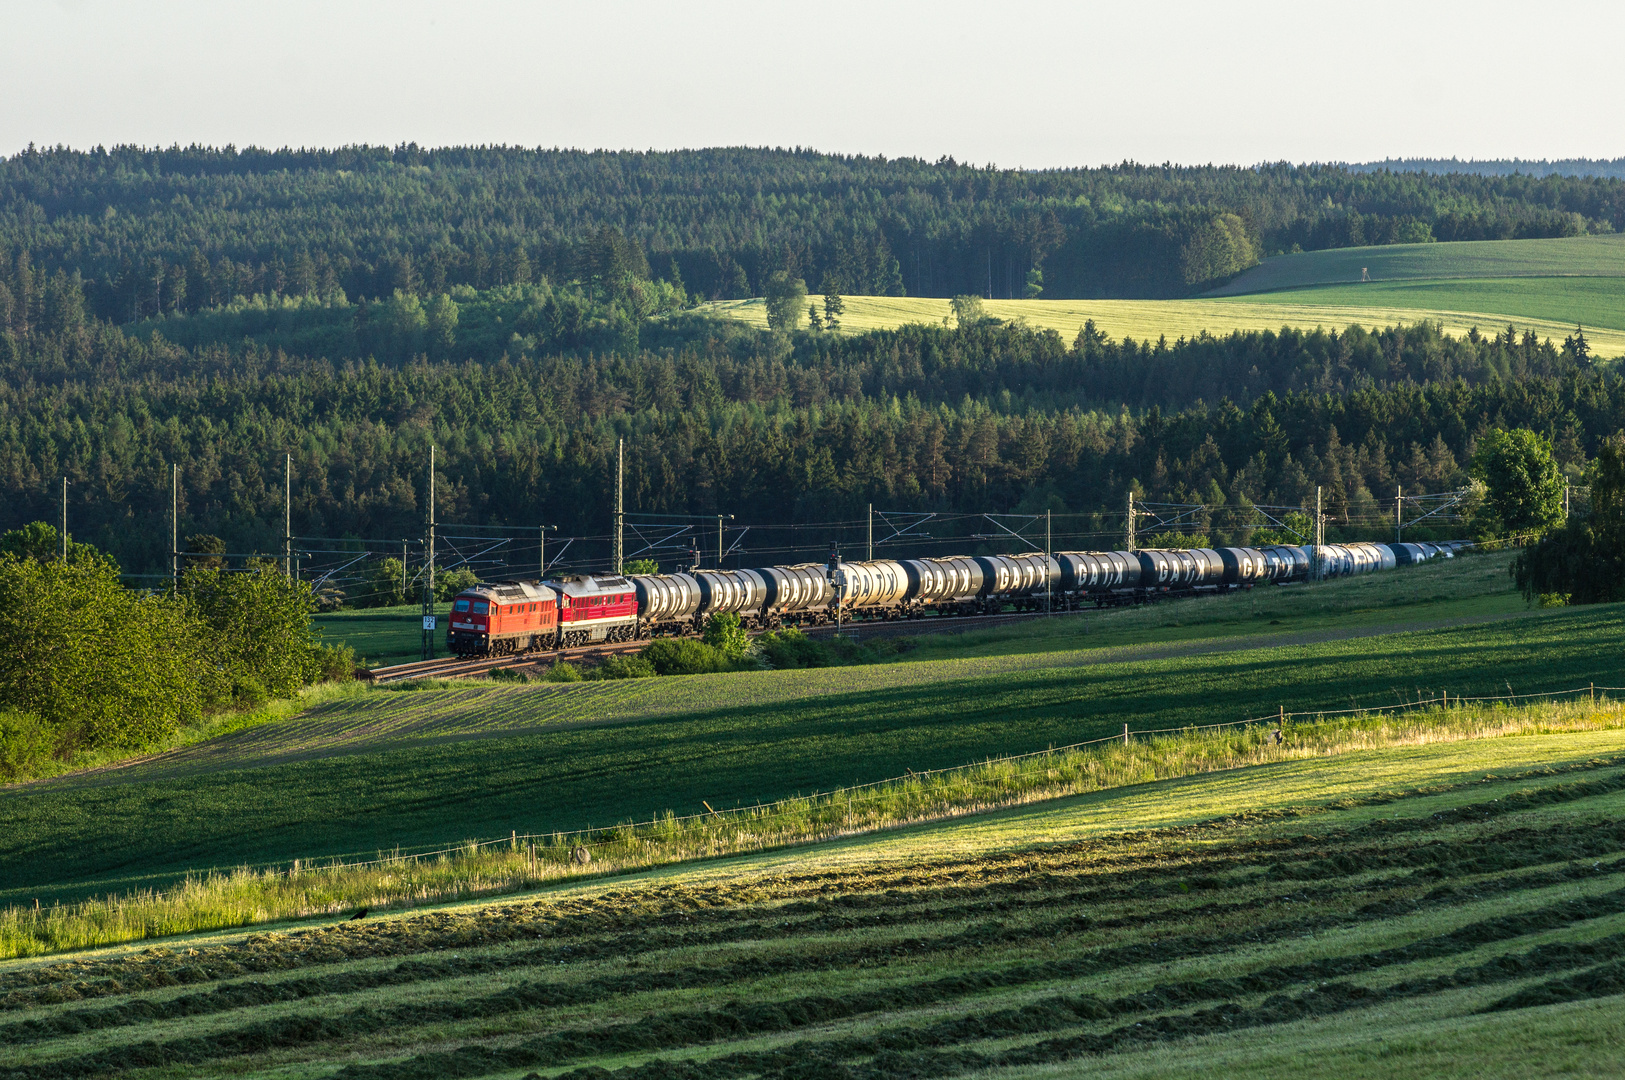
[498, 619]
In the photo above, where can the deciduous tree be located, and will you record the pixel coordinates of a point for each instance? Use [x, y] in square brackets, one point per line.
[1525, 485]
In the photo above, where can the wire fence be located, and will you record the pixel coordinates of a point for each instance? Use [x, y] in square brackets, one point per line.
[591, 836]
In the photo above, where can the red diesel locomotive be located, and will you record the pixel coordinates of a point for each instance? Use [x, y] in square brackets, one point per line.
[495, 620]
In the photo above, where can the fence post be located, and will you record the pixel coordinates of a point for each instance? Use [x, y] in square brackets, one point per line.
[1125, 734]
[1281, 719]
[1593, 693]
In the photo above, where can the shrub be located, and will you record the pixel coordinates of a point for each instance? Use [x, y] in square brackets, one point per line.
[334, 663]
[790, 648]
[247, 693]
[448, 583]
[26, 743]
[682, 656]
[1177, 540]
[563, 671]
[102, 665]
[255, 630]
[624, 667]
[727, 634]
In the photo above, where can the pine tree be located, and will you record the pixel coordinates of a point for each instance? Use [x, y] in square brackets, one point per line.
[834, 306]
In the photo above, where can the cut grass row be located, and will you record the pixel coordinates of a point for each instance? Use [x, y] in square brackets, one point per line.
[246, 896]
[1402, 893]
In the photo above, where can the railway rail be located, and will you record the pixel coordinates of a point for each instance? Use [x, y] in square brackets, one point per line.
[462, 667]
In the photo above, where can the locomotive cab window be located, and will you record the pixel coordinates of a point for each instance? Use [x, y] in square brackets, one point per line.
[461, 605]
[481, 607]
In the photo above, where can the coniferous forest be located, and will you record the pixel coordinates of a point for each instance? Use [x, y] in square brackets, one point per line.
[154, 231]
[521, 310]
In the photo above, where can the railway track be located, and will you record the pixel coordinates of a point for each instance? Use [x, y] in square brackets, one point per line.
[460, 667]
[456, 667]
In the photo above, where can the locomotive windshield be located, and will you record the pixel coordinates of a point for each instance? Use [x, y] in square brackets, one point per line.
[481, 607]
[461, 605]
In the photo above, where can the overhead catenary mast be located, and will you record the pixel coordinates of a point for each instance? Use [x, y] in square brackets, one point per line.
[428, 570]
[620, 506]
[287, 515]
[175, 525]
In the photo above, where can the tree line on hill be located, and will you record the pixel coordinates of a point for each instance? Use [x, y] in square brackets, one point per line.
[91, 665]
[152, 232]
[1613, 167]
[809, 427]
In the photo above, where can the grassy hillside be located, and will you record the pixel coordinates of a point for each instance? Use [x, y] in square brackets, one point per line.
[1543, 285]
[1577, 281]
[1427, 910]
[1150, 319]
[1579, 256]
[1596, 303]
[432, 766]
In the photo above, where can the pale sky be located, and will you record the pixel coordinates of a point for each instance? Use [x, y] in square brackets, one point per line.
[1017, 85]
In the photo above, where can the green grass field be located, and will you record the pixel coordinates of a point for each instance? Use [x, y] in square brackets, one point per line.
[1596, 304]
[380, 636]
[1572, 257]
[1543, 285]
[378, 769]
[1430, 910]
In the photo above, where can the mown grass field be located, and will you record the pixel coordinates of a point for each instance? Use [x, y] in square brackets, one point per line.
[421, 767]
[1429, 910]
[1542, 285]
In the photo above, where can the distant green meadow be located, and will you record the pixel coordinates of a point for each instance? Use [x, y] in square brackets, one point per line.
[1590, 302]
[1578, 280]
[1579, 256]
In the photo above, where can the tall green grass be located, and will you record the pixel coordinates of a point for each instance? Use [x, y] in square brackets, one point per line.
[248, 896]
